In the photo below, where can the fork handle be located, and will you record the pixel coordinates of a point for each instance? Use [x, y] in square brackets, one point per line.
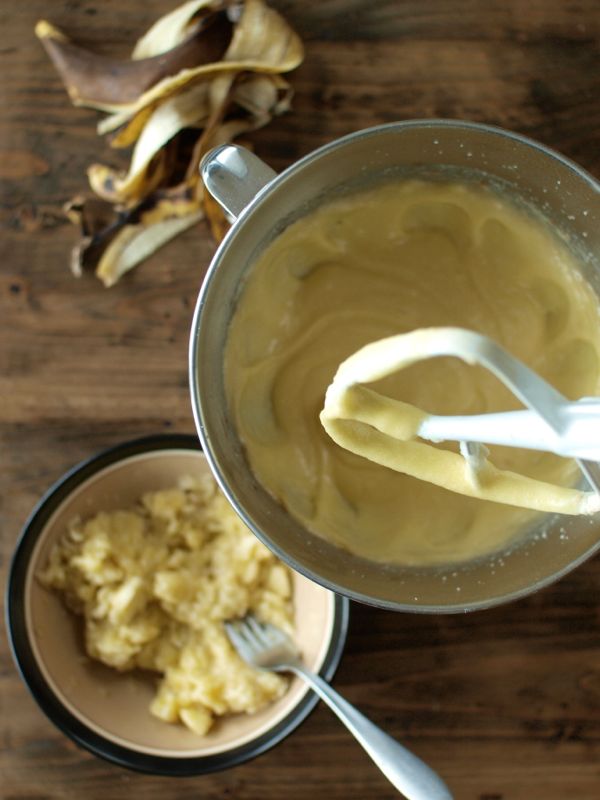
[404, 770]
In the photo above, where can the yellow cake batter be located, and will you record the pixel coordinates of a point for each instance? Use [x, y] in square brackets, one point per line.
[386, 431]
[390, 260]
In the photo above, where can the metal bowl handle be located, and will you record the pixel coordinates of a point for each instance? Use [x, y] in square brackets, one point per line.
[234, 176]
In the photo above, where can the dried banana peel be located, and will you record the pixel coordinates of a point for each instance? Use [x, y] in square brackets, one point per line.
[108, 84]
[202, 75]
[261, 42]
[134, 243]
[189, 109]
[174, 28]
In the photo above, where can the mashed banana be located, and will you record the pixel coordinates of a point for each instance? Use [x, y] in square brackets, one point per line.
[155, 584]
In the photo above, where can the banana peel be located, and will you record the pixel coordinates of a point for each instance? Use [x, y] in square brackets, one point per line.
[174, 28]
[147, 228]
[98, 222]
[262, 42]
[106, 84]
[186, 110]
[253, 101]
[135, 242]
[115, 241]
[202, 75]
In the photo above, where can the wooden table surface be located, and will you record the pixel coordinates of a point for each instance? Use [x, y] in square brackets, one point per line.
[505, 704]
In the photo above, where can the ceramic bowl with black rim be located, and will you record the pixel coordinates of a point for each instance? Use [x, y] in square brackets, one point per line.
[105, 711]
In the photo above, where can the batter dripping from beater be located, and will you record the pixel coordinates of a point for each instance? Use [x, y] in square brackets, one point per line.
[399, 257]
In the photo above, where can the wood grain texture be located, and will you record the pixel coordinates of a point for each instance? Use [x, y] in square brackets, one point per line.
[504, 703]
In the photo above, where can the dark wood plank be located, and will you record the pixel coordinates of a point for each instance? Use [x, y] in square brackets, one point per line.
[504, 703]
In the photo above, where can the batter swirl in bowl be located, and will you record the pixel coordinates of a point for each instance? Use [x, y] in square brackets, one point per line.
[402, 256]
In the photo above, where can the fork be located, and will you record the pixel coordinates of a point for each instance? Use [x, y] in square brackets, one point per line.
[265, 646]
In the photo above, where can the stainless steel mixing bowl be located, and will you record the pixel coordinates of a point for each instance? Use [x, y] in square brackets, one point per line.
[263, 204]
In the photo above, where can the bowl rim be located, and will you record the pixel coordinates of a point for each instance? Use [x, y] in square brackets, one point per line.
[32, 675]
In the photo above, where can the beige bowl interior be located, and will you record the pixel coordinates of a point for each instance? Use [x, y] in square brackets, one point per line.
[116, 705]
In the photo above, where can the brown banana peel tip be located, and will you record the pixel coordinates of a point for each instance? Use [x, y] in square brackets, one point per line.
[105, 83]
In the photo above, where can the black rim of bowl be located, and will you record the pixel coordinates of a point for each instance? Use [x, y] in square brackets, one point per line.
[43, 694]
